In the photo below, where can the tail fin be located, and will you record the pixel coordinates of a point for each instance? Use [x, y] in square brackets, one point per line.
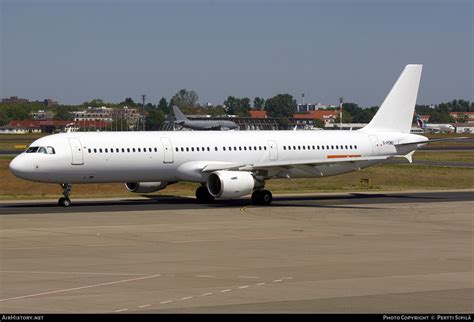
[419, 121]
[178, 114]
[396, 111]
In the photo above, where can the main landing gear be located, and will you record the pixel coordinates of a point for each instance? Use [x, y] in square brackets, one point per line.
[203, 195]
[65, 201]
[262, 197]
[259, 197]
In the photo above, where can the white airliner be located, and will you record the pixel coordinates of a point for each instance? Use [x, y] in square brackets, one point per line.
[434, 127]
[204, 125]
[227, 164]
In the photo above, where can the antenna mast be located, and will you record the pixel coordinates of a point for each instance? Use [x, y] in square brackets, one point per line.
[341, 101]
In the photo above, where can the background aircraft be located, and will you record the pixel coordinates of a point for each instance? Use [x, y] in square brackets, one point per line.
[182, 120]
[434, 127]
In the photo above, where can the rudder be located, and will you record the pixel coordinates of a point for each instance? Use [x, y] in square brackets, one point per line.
[178, 114]
[396, 111]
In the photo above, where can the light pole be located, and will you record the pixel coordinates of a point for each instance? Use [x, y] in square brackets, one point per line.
[341, 100]
[143, 108]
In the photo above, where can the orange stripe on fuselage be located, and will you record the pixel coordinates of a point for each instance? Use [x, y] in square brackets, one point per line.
[343, 156]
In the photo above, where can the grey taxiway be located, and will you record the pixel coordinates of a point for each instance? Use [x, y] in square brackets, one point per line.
[317, 253]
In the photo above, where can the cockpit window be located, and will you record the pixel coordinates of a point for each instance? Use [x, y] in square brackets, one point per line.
[42, 149]
[32, 149]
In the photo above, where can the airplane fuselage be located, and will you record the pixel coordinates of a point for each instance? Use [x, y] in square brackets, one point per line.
[208, 125]
[439, 127]
[93, 157]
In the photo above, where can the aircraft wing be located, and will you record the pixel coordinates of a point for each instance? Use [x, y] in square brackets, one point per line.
[289, 164]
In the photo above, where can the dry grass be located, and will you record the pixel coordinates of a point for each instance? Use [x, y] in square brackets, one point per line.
[385, 177]
[448, 156]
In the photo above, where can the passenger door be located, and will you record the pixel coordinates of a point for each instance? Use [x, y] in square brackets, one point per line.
[167, 150]
[273, 149]
[375, 144]
[76, 150]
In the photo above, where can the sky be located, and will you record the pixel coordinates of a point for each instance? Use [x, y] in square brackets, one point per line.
[75, 51]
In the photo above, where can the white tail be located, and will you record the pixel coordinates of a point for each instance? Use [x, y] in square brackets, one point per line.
[180, 117]
[396, 111]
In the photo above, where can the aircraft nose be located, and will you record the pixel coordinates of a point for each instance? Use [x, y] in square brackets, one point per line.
[18, 166]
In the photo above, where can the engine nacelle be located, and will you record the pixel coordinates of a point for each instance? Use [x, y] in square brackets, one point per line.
[145, 187]
[231, 184]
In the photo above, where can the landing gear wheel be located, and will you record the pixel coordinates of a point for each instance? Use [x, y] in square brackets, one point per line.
[65, 202]
[256, 197]
[262, 197]
[266, 197]
[203, 195]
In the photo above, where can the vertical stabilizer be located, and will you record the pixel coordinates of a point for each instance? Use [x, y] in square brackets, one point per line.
[178, 114]
[419, 121]
[396, 111]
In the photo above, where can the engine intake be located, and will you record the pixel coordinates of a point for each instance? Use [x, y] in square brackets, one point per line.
[231, 184]
[145, 187]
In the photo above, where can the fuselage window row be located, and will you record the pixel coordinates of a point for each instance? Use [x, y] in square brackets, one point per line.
[224, 148]
[208, 149]
[118, 150]
[320, 147]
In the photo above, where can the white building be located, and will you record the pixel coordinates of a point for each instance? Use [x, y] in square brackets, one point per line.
[306, 107]
[94, 114]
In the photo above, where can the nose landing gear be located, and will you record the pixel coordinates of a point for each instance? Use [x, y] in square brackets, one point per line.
[65, 201]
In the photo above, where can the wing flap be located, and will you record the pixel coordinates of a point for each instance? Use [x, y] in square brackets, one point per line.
[315, 162]
[306, 165]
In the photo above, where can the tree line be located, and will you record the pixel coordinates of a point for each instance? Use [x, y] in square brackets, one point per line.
[281, 106]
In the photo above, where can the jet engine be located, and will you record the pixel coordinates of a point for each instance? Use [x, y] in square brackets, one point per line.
[145, 187]
[232, 184]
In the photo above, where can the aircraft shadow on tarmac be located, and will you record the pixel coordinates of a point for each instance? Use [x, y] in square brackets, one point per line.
[169, 202]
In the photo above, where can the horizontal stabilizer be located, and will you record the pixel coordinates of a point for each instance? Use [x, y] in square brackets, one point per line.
[433, 140]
